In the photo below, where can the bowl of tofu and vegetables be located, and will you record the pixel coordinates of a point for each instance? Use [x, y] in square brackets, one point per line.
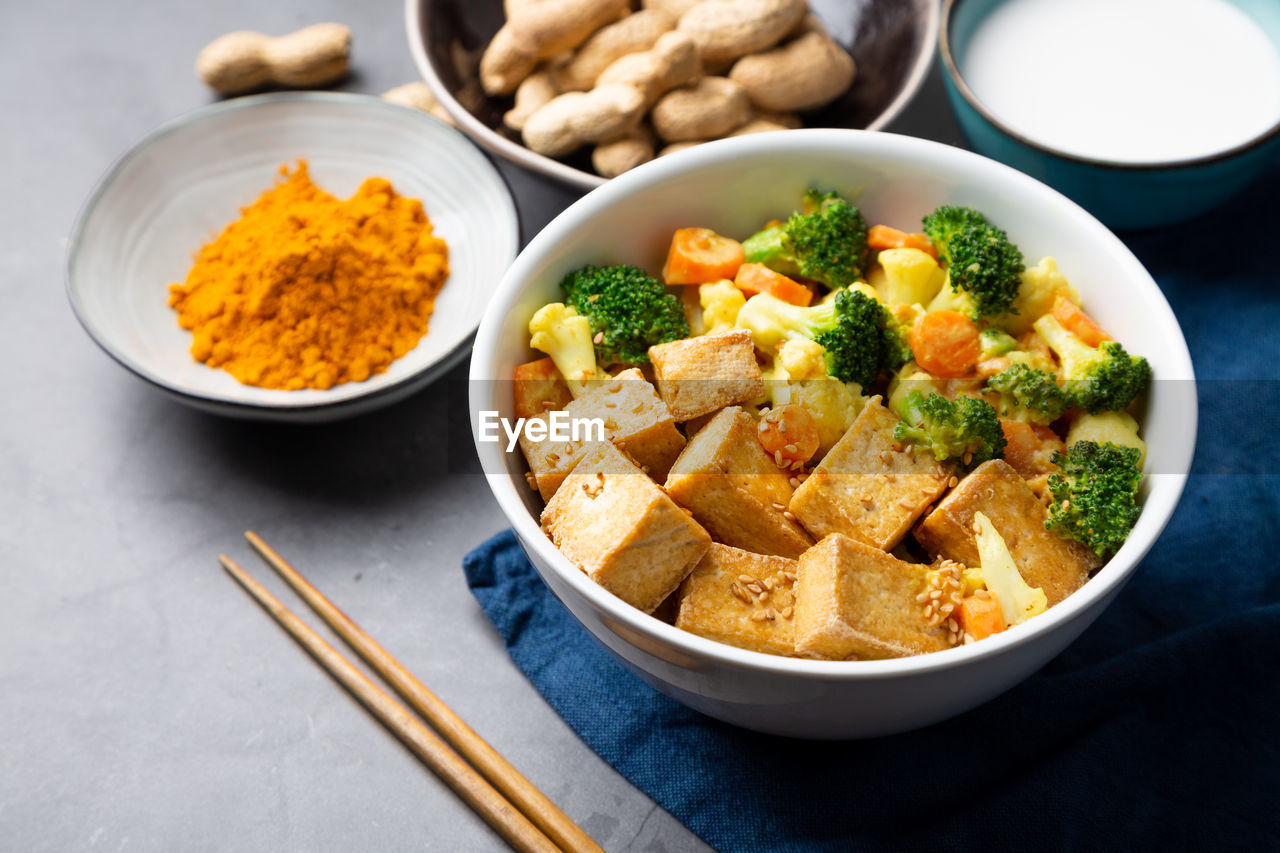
[872, 427]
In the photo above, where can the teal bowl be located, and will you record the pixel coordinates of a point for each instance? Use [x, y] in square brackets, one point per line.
[1122, 195]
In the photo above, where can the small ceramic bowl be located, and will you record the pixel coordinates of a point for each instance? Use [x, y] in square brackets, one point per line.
[732, 186]
[178, 187]
[892, 42]
[1121, 194]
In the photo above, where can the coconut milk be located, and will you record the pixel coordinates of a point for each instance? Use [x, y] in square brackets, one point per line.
[1136, 81]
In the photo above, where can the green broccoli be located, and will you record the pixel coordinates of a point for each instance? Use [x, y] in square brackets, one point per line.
[827, 242]
[966, 428]
[981, 260]
[1105, 379]
[996, 342]
[859, 337]
[629, 311]
[1028, 394]
[1095, 495]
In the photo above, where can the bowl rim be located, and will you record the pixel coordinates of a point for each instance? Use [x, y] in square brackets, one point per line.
[220, 404]
[952, 67]
[1161, 501]
[522, 156]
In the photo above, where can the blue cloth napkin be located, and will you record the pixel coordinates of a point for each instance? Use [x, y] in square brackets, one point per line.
[1158, 728]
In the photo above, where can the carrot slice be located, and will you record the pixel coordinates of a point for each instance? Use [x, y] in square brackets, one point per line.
[945, 343]
[881, 237]
[701, 256]
[979, 617]
[538, 387]
[789, 434]
[1072, 318]
[757, 278]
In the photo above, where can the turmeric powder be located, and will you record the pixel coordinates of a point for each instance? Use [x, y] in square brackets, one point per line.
[305, 290]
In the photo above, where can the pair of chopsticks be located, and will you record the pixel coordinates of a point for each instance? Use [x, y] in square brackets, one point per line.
[499, 793]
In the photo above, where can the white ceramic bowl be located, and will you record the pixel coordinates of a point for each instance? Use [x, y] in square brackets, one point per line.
[183, 183]
[733, 186]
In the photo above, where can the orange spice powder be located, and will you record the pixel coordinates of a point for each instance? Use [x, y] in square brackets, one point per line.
[305, 290]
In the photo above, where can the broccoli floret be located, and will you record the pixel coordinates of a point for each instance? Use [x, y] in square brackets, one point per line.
[996, 342]
[628, 309]
[865, 342]
[981, 261]
[827, 242]
[966, 428]
[1028, 394]
[859, 337]
[563, 334]
[1095, 495]
[1102, 379]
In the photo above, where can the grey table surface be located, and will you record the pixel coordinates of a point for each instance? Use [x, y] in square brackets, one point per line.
[145, 702]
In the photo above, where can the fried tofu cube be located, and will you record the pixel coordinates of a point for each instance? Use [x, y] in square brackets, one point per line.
[870, 487]
[734, 489]
[615, 524]
[856, 600]
[1058, 566]
[633, 418]
[697, 376]
[742, 599]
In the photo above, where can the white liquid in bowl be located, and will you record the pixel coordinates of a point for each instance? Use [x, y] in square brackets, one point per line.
[1136, 81]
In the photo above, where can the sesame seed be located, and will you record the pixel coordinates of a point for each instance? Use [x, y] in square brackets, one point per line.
[946, 608]
[791, 576]
[782, 427]
[787, 611]
[777, 458]
[739, 593]
[598, 339]
[755, 587]
[745, 579]
[968, 457]
[779, 507]
[910, 450]
[794, 482]
[788, 515]
[758, 616]
[790, 448]
[644, 468]
[935, 594]
[908, 504]
[770, 614]
[770, 583]
[922, 598]
[953, 482]
[981, 593]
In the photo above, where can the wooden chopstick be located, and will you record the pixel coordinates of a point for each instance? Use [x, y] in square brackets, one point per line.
[507, 779]
[513, 826]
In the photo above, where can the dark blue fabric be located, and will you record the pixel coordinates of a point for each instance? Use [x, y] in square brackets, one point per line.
[1158, 728]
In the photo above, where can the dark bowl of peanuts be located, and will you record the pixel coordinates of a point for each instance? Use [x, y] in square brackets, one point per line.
[584, 90]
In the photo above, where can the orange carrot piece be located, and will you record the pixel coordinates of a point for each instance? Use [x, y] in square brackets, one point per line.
[945, 343]
[1072, 318]
[789, 433]
[1021, 445]
[881, 237]
[979, 617]
[701, 256]
[538, 387]
[757, 278]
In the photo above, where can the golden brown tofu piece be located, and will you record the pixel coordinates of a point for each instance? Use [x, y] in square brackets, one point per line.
[742, 599]
[1058, 566]
[735, 490]
[853, 599]
[634, 419]
[615, 524]
[867, 490]
[696, 376]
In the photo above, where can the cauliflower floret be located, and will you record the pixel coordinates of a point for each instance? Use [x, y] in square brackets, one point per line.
[1116, 427]
[907, 276]
[1018, 601]
[559, 331]
[802, 358]
[834, 404]
[1040, 284]
[721, 301]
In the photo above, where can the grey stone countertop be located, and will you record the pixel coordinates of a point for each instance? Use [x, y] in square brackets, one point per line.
[145, 702]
